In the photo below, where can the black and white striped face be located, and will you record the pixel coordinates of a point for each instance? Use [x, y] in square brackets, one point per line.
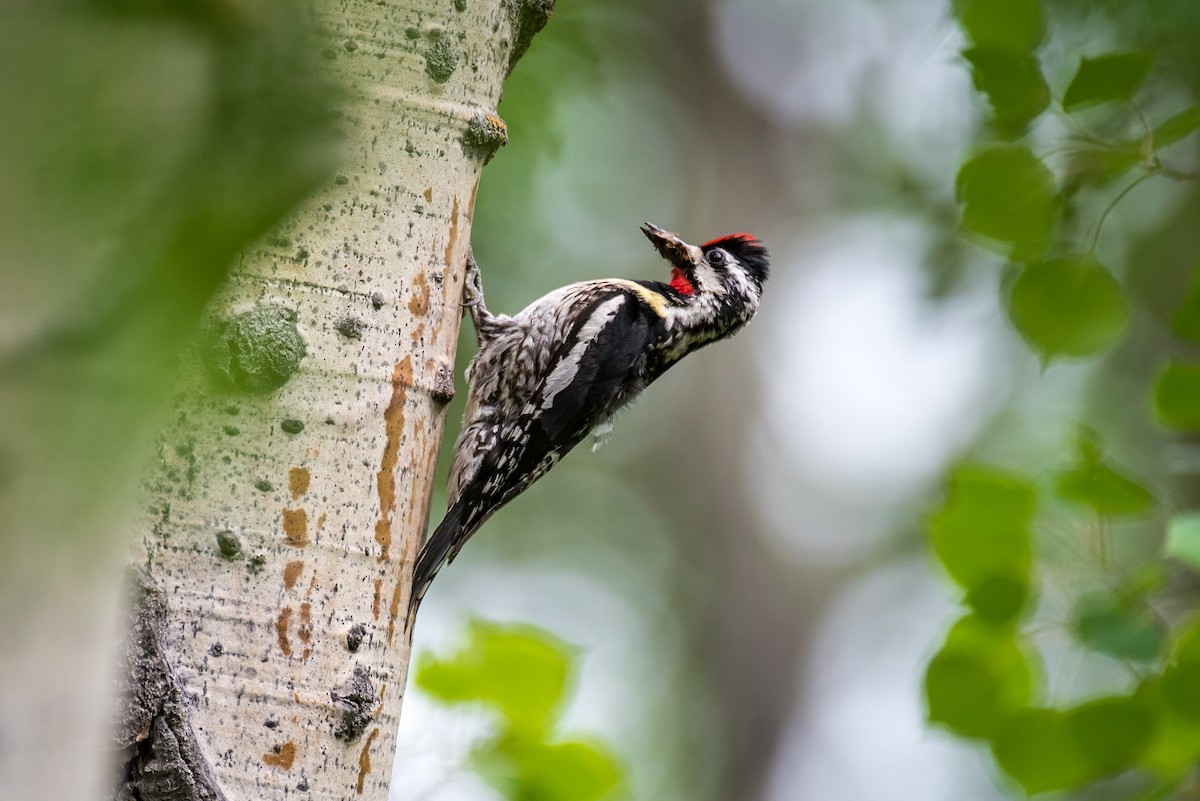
[718, 286]
[733, 265]
[728, 267]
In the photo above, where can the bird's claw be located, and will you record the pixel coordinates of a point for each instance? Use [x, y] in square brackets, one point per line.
[473, 285]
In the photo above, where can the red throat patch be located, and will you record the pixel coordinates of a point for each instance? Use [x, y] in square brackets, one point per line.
[680, 282]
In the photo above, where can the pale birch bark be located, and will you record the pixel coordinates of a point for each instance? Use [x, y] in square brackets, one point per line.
[293, 486]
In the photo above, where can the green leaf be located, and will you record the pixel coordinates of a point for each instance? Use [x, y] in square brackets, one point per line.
[981, 536]
[1099, 162]
[1038, 748]
[1110, 733]
[1068, 307]
[1180, 684]
[978, 679]
[1187, 640]
[1116, 76]
[1183, 539]
[1185, 323]
[1014, 25]
[1175, 749]
[1177, 127]
[1146, 579]
[1013, 84]
[1008, 195]
[1105, 490]
[999, 597]
[1177, 397]
[1181, 688]
[525, 769]
[518, 670]
[1093, 483]
[1121, 628]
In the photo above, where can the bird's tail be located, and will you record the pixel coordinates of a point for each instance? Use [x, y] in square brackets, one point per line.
[441, 547]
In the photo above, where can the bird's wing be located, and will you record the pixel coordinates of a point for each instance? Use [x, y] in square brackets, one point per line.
[582, 383]
[587, 378]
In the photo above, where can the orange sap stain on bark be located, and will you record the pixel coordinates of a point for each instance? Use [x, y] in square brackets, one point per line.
[281, 630]
[385, 479]
[419, 305]
[364, 761]
[298, 478]
[295, 527]
[304, 631]
[394, 610]
[284, 757]
[379, 709]
[291, 572]
[378, 597]
[453, 240]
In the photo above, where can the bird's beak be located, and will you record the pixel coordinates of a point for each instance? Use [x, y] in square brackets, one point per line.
[670, 246]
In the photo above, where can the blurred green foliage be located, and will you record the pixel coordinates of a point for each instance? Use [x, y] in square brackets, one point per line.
[995, 532]
[981, 536]
[1094, 483]
[986, 680]
[522, 674]
[144, 145]
[1116, 76]
[1177, 396]
[1183, 538]
[1070, 306]
[1008, 196]
[1121, 626]
[1004, 67]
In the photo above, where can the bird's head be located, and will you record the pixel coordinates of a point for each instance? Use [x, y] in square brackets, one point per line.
[717, 287]
[733, 265]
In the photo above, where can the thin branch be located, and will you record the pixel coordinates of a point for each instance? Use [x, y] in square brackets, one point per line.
[1095, 238]
[1147, 131]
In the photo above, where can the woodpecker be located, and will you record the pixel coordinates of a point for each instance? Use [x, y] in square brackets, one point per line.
[546, 377]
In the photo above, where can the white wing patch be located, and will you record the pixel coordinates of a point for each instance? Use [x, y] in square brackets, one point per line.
[564, 372]
[602, 433]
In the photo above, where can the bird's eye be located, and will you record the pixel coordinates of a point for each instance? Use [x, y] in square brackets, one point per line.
[716, 257]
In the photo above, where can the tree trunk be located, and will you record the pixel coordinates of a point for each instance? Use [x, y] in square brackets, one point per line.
[270, 644]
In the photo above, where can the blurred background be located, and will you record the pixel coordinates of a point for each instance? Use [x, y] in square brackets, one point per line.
[743, 570]
[742, 566]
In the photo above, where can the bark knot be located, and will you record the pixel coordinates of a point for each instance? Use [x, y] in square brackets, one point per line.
[161, 758]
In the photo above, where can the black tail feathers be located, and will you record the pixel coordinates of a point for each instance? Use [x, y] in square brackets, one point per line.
[441, 547]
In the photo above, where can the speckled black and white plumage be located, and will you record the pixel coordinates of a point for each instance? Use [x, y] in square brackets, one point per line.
[547, 376]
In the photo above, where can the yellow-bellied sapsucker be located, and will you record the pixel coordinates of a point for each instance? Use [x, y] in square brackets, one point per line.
[561, 368]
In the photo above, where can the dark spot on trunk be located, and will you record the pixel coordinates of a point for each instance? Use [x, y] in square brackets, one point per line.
[485, 134]
[256, 351]
[355, 636]
[355, 704]
[228, 543]
[350, 327]
[443, 384]
[441, 56]
[161, 759]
